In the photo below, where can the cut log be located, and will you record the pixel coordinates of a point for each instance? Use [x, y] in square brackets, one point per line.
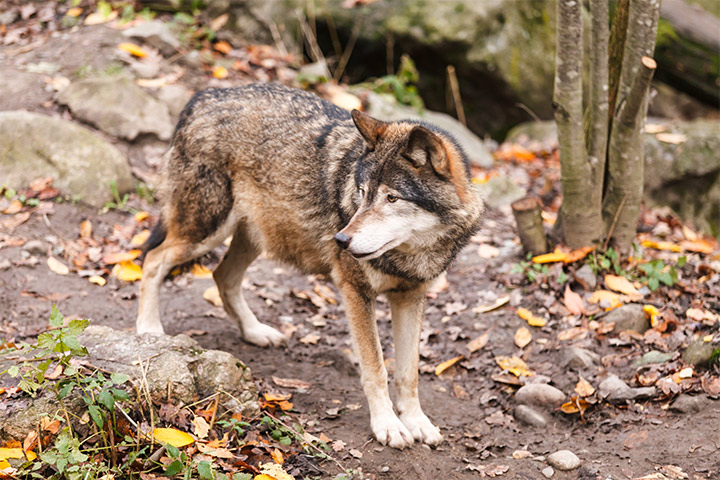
[528, 218]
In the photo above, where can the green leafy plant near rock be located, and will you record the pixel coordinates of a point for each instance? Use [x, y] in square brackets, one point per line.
[400, 85]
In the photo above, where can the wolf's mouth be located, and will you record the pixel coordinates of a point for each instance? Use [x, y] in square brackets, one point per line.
[360, 256]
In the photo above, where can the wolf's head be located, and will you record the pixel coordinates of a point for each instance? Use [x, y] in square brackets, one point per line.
[411, 190]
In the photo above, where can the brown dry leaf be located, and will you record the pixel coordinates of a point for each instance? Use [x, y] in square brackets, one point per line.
[201, 427]
[673, 138]
[16, 220]
[447, 364]
[478, 342]
[140, 238]
[119, 257]
[514, 365]
[532, 320]
[47, 425]
[575, 405]
[522, 337]
[573, 302]
[85, 229]
[128, 271]
[57, 266]
[223, 47]
[635, 439]
[219, 22]
[14, 207]
[220, 72]
[698, 246]
[212, 295]
[355, 453]
[325, 293]
[133, 49]
[338, 445]
[573, 333]
[488, 308]
[310, 339]
[57, 371]
[215, 451]
[620, 284]
[291, 383]
[583, 388]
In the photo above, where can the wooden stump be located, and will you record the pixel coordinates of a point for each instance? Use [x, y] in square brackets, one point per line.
[530, 225]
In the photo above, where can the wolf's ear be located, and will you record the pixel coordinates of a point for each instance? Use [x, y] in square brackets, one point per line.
[425, 147]
[370, 128]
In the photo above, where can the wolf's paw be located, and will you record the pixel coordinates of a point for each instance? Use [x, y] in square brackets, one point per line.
[149, 327]
[264, 336]
[422, 429]
[389, 430]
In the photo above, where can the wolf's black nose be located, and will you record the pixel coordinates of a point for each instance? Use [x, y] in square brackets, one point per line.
[342, 239]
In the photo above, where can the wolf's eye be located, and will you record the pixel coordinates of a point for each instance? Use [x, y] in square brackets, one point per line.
[392, 198]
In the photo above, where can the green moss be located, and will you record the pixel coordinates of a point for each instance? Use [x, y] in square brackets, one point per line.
[666, 34]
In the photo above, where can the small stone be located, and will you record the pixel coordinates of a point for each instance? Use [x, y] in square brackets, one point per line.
[698, 353]
[530, 416]
[157, 34]
[586, 277]
[580, 358]
[628, 317]
[614, 389]
[500, 191]
[175, 97]
[384, 469]
[689, 404]
[5, 264]
[653, 356]
[548, 472]
[35, 247]
[541, 395]
[564, 460]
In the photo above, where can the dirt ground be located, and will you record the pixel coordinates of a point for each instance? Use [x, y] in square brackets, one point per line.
[473, 411]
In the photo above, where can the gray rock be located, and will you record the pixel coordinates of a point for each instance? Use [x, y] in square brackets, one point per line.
[548, 472]
[529, 416]
[35, 247]
[500, 191]
[157, 34]
[81, 164]
[385, 108]
[175, 97]
[564, 460]
[628, 317]
[579, 358]
[685, 403]
[541, 395]
[116, 105]
[615, 390]
[585, 276]
[698, 353]
[652, 357]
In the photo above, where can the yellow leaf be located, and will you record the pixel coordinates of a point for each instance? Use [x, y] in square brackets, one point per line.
[556, 256]
[220, 72]
[127, 271]
[74, 12]
[140, 238]
[274, 472]
[478, 342]
[669, 246]
[263, 476]
[212, 295]
[30, 455]
[97, 18]
[119, 257]
[620, 284]
[200, 271]
[3, 465]
[132, 49]
[514, 365]
[522, 337]
[532, 320]
[707, 338]
[173, 437]
[97, 280]
[85, 229]
[612, 298]
[652, 313]
[447, 364]
[57, 266]
[140, 216]
[277, 456]
[6, 453]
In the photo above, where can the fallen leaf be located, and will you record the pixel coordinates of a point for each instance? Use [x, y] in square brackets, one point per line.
[698, 246]
[668, 246]
[74, 12]
[6, 453]
[133, 49]
[635, 439]
[200, 271]
[200, 427]
[51, 426]
[219, 22]
[291, 383]
[223, 47]
[140, 238]
[655, 128]
[57, 371]
[355, 453]
[518, 454]
[478, 342]
[277, 456]
[127, 271]
[326, 293]
[488, 308]
[575, 405]
[140, 216]
[489, 470]
[173, 437]
[556, 256]
[338, 445]
[447, 364]
[212, 295]
[620, 284]
[652, 313]
[97, 280]
[57, 266]
[119, 257]
[673, 138]
[14, 207]
[583, 388]
[97, 18]
[514, 365]
[532, 320]
[578, 254]
[16, 220]
[310, 339]
[85, 229]
[573, 302]
[522, 337]
[573, 333]
[220, 72]
[488, 251]
[214, 451]
[606, 296]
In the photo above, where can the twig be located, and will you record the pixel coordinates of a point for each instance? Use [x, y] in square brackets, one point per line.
[615, 219]
[277, 38]
[527, 110]
[309, 37]
[155, 457]
[455, 89]
[342, 63]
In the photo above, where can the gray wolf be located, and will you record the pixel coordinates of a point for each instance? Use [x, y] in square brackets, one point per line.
[380, 208]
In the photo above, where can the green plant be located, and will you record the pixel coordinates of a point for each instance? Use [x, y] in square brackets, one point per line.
[606, 261]
[401, 85]
[532, 271]
[657, 272]
[145, 192]
[119, 203]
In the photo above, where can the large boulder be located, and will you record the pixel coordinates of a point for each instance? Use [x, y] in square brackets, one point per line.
[81, 163]
[116, 105]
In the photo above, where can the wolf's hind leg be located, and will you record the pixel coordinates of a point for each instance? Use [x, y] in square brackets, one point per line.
[228, 277]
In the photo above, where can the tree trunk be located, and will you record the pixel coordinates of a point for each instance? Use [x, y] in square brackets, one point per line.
[616, 49]
[580, 223]
[623, 197]
[528, 218]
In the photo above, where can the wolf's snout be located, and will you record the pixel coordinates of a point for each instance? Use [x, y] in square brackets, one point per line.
[343, 240]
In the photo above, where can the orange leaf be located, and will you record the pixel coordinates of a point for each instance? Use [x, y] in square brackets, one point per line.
[573, 302]
[200, 271]
[575, 405]
[532, 320]
[223, 47]
[85, 229]
[220, 72]
[119, 257]
[277, 397]
[127, 271]
[277, 456]
[578, 254]
[74, 12]
[14, 207]
[140, 238]
[133, 49]
[140, 216]
[698, 246]
[514, 365]
[612, 298]
[669, 246]
[447, 364]
[556, 256]
[620, 284]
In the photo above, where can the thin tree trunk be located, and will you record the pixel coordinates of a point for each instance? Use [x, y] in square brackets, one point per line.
[616, 49]
[578, 221]
[528, 218]
[621, 206]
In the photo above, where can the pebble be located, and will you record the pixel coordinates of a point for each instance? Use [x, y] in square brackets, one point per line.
[628, 317]
[548, 472]
[564, 460]
[580, 358]
[586, 277]
[698, 353]
[653, 356]
[614, 389]
[539, 394]
[688, 403]
[530, 416]
[385, 469]
[35, 247]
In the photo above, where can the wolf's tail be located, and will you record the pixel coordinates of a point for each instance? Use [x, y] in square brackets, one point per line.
[157, 236]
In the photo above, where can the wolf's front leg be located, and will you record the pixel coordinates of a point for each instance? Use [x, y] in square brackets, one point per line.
[407, 314]
[360, 310]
